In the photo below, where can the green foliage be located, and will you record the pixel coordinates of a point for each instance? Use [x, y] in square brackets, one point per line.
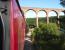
[62, 22]
[53, 19]
[62, 2]
[48, 37]
[27, 29]
[50, 28]
[32, 21]
[42, 19]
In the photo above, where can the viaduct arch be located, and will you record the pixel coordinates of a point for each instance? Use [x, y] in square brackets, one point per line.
[47, 10]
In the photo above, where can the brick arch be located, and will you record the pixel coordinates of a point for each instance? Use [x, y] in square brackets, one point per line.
[54, 11]
[63, 11]
[30, 9]
[43, 11]
[60, 12]
[53, 17]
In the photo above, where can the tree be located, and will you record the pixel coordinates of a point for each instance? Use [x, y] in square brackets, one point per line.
[48, 37]
[62, 2]
[62, 20]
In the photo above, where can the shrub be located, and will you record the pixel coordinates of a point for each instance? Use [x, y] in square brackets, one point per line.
[50, 28]
[27, 29]
[62, 22]
[47, 37]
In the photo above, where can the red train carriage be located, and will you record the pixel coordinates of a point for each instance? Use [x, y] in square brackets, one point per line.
[12, 25]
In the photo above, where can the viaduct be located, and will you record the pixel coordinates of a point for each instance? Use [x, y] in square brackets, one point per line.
[46, 10]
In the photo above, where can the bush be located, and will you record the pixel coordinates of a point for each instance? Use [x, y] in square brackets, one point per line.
[50, 28]
[27, 29]
[47, 37]
[62, 22]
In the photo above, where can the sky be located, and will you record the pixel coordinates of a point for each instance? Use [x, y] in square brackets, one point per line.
[40, 4]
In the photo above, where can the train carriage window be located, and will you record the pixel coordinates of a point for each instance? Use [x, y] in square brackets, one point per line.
[1, 33]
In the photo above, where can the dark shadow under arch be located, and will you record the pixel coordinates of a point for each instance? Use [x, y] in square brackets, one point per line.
[1, 34]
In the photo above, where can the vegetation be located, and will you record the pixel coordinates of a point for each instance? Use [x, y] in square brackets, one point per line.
[62, 2]
[27, 29]
[48, 37]
[31, 22]
[62, 22]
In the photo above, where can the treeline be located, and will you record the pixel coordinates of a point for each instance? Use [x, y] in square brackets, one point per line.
[52, 19]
